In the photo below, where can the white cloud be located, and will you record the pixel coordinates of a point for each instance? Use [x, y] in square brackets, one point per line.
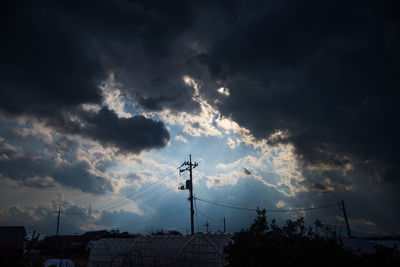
[231, 143]
[112, 97]
[91, 107]
[181, 138]
[223, 179]
[231, 165]
[274, 166]
[38, 181]
[280, 204]
[278, 135]
[224, 91]
[209, 121]
[198, 124]
[33, 128]
[323, 167]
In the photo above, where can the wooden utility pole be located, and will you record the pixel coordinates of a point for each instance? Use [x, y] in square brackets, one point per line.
[346, 220]
[189, 185]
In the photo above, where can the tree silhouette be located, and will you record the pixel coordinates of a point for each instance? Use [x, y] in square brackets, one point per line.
[296, 244]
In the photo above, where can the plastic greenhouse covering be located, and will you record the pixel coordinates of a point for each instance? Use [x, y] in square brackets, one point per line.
[204, 250]
[156, 250]
[198, 250]
[109, 250]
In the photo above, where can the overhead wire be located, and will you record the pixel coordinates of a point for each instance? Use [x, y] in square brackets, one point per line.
[197, 218]
[224, 205]
[135, 197]
[268, 210]
[137, 194]
[205, 215]
[145, 199]
[159, 187]
[155, 189]
[152, 219]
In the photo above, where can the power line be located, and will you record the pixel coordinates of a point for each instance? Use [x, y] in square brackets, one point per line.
[146, 222]
[197, 217]
[202, 213]
[224, 205]
[115, 204]
[144, 199]
[142, 195]
[268, 210]
[137, 193]
[138, 196]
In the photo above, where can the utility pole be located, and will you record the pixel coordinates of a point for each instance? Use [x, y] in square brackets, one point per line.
[207, 225]
[224, 226]
[347, 221]
[58, 219]
[189, 185]
[58, 226]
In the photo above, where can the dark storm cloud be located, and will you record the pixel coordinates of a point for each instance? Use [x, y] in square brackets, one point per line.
[38, 171]
[51, 62]
[143, 43]
[45, 65]
[128, 134]
[325, 71]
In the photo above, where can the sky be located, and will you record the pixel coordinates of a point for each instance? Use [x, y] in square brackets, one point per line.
[283, 105]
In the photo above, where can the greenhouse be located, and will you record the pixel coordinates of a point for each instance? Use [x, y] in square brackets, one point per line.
[110, 252]
[200, 249]
[204, 249]
[156, 250]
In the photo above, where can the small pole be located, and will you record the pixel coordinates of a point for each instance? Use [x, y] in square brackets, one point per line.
[224, 225]
[58, 219]
[347, 221]
[58, 227]
[206, 225]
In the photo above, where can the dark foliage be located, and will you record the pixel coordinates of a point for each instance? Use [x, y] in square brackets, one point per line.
[162, 232]
[118, 234]
[296, 245]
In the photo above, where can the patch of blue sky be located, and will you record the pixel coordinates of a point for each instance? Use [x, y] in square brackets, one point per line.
[209, 151]
[132, 108]
[248, 193]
